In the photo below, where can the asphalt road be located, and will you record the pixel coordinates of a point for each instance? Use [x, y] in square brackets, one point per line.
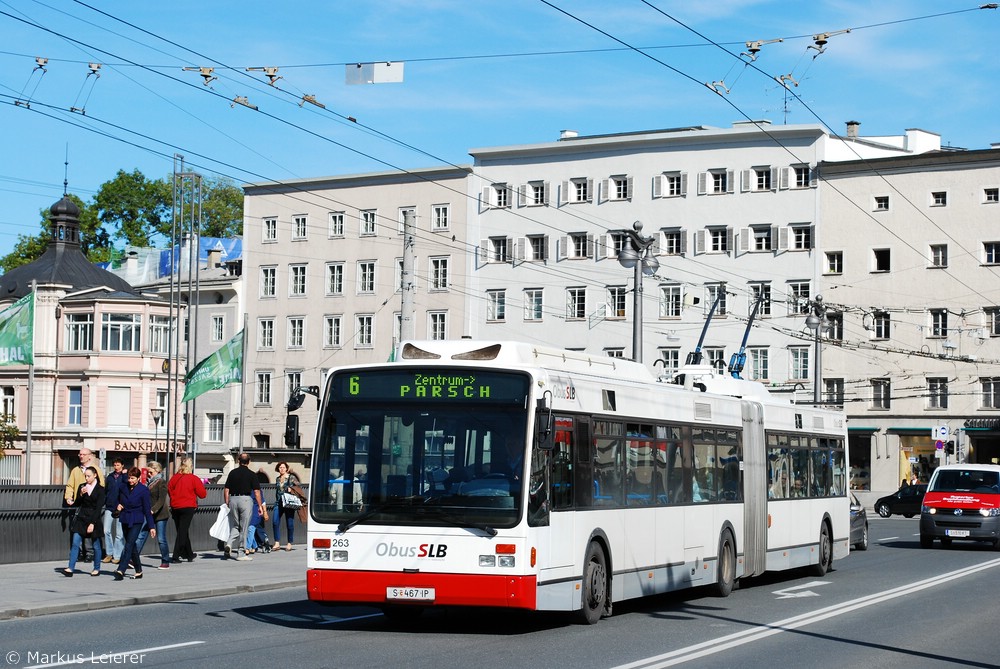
[895, 605]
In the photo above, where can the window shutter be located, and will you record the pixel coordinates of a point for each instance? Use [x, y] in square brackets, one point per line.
[774, 179]
[812, 236]
[510, 250]
[486, 197]
[628, 188]
[684, 184]
[774, 236]
[546, 194]
[812, 178]
[590, 190]
[590, 246]
[519, 249]
[684, 242]
[510, 194]
[657, 186]
[484, 251]
[782, 239]
[744, 180]
[730, 186]
[702, 181]
[605, 194]
[564, 195]
[563, 245]
[729, 240]
[545, 247]
[785, 176]
[699, 242]
[521, 195]
[746, 234]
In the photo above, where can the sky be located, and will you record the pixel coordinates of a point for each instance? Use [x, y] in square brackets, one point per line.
[476, 74]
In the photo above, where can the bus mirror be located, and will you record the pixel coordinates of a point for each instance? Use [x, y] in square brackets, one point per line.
[543, 424]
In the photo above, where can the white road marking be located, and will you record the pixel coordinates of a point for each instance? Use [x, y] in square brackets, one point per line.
[759, 632]
[888, 539]
[106, 658]
[790, 593]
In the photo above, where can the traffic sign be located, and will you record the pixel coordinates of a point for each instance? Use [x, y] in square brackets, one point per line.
[939, 444]
[939, 432]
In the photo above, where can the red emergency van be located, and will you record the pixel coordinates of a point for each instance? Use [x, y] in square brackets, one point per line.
[962, 502]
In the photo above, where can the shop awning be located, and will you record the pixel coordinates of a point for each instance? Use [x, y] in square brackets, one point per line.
[909, 430]
[866, 430]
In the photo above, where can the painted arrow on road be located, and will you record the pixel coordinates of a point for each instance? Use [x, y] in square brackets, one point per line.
[789, 593]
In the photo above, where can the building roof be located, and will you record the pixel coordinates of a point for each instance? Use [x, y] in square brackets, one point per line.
[63, 263]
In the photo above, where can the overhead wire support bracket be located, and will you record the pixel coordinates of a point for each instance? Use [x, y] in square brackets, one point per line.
[270, 72]
[205, 72]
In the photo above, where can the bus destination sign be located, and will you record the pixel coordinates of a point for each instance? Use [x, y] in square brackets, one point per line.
[431, 385]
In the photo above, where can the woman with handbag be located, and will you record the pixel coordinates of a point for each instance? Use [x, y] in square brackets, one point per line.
[89, 504]
[285, 505]
[185, 490]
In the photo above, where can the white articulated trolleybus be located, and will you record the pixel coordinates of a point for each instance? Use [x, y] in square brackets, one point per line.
[504, 474]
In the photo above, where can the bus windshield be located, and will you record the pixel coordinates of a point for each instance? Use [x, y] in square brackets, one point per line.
[449, 453]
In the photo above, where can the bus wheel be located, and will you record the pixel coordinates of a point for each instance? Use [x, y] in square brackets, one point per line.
[825, 551]
[595, 585]
[726, 566]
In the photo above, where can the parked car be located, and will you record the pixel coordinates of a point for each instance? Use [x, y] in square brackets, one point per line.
[906, 501]
[859, 525]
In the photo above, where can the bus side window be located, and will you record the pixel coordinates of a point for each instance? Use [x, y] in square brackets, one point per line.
[562, 465]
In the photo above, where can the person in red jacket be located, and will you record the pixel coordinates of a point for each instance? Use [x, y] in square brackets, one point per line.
[185, 490]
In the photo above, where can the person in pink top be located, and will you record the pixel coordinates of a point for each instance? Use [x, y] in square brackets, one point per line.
[185, 490]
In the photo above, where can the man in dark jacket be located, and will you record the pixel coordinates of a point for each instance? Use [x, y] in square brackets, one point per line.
[113, 539]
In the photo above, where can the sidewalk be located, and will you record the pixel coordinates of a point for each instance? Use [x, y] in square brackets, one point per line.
[34, 589]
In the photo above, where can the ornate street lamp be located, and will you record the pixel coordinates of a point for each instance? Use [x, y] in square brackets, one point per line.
[638, 255]
[157, 414]
[820, 325]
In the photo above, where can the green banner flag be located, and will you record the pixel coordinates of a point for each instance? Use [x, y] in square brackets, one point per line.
[223, 367]
[17, 328]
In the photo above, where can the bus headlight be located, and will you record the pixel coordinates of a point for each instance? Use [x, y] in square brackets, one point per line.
[339, 556]
[322, 555]
[487, 560]
[506, 560]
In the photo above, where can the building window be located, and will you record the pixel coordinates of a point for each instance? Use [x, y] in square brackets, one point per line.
[262, 396]
[713, 292]
[939, 198]
[533, 304]
[537, 248]
[120, 332]
[403, 211]
[614, 352]
[758, 179]
[798, 298]
[297, 280]
[939, 255]
[880, 260]
[369, 219]
[580, 190]
[671, 358]
[335, 278]
[836, 325]
[881, 398]
[498, 249]
[991, 392]
[937, 393]
[835, 262]
[439, 274]
[159, 334]
[760, 292]
[803, 176]
[991, 253]
[332, 333]
[218, 325]
[719, 182]
[671, 299]
[496, 305]
[299, 227]
[437, 325]
[576, 303]
[364, 330]
[366, 276]
[268, 281]
[616, 302]
[881, 203]
[802, 237]
[670, 184]
[270, 229]
[833, 391]
[7, 403]
[991, 195]
[538, 193]
[992, 322]
[620, 188]
[672, 242]
[718, 240]
[580, 245]
[293, 381]
[715, 356]
[296, 332]
[265, 334]
[880, 325]
[440, 217]
[75, 416]
[336, 227]
[799, 357]
[79, 332]
[939, 322]
[761, 238]
[501, 196]
[213, 431]
[760, 360]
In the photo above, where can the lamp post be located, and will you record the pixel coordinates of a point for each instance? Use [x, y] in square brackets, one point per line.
[819, 324]
[638, 255]
[157, 414]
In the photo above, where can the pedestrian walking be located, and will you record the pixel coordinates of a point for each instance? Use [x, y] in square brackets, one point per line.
[134, 509]
[241, 492]
[89, 503]
[114, 539]
[160, 508]
[185, 489]
[77, 476]
[284, 483]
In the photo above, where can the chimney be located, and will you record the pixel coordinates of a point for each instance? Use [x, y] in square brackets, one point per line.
[852, 129]
[131, 263]
[568, 134]
[214, 258]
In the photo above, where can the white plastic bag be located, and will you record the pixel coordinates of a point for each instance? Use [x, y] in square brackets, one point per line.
[220, 528]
